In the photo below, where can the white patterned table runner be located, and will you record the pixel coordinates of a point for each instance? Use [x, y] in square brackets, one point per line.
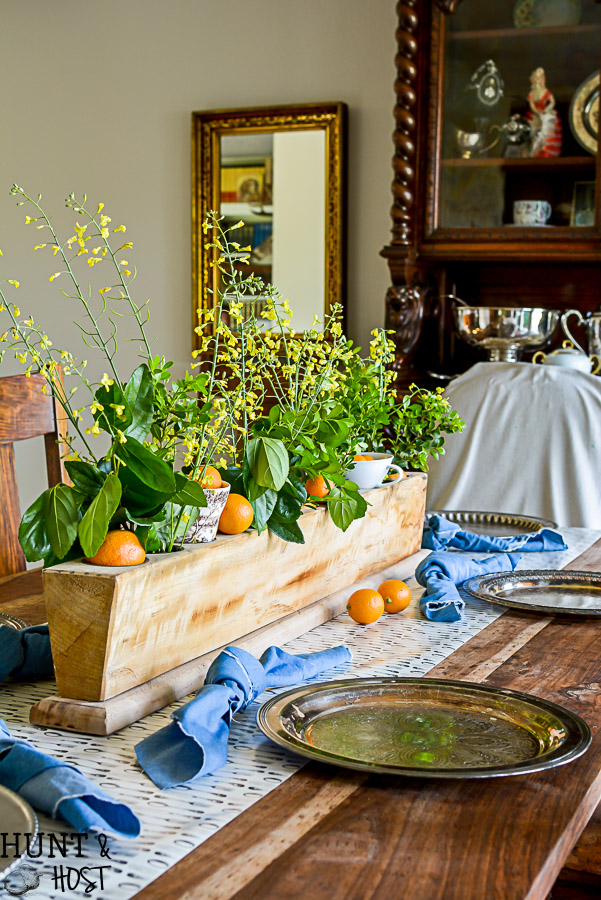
[176, 821]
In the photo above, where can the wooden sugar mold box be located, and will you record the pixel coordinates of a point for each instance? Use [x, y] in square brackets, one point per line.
[112, 629]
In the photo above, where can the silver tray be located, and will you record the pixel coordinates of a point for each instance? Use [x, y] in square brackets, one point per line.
[541, 591]
[424, 727]
[498, 524]
[13, 621]
[16, 816]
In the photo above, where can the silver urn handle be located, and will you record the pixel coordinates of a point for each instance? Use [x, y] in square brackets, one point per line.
[564, 324]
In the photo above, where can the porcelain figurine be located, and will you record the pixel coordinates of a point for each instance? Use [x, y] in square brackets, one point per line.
[543, 118]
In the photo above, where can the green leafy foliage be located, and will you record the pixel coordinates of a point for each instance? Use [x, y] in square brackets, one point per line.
[95, 523]
[33, 534]
[139, 395]
[146, 466]
[61, 517]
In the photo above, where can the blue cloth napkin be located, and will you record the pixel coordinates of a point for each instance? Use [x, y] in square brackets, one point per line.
[195, 742]
[61, 790]
[25, 654]
[440, 534]
[442, 570]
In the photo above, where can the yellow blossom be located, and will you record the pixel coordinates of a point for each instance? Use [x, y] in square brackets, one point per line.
[29, 220]
[52, 277]
[103, 290]
[96, 407]
[121, 436]
[92, 260]
[14, 284]
[120, 228]
[106, 381]
[29, 322]
[16, 311]
[104, 232]
[95, 429]
[83, 250]
[100, 208]
[3, 337]
[126, 272]
[40, 246]
[126, 246]
[22, 357]
[119, 408]
[79, 230]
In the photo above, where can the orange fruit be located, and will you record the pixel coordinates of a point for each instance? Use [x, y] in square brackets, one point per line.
[237, 515]
[396, 594]
[211, 478]
[119, 548]
[317, 487]
[359, 456]
[365, 606]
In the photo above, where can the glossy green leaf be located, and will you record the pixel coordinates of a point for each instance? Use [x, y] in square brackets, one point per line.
[139, 394]
[33, 535]
[95, 523]
[345, 510]
[189, 493]
[146, 466]
[268, 461]
[288, 531]
[61, 519]
[86, 478]
[263, 507]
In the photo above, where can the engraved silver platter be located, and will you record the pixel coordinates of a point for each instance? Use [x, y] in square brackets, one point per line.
[497, 524]
[424, 727]
[541, 591]
[13, 621]
[16, 816]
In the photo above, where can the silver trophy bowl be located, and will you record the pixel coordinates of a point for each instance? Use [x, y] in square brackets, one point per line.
[505, 333]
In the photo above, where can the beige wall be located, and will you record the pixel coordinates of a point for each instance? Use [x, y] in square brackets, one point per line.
[97, 97]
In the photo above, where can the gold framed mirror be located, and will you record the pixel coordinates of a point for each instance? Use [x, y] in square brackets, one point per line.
[280, 170]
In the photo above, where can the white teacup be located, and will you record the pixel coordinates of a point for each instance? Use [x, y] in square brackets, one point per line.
[531, 212]
[370, 473]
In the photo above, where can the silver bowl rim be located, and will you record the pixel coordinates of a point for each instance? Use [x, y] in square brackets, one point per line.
[505, 309]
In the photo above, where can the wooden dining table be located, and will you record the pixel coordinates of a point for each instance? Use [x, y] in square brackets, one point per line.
[329, 833]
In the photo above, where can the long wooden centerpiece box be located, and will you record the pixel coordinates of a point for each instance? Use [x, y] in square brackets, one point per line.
[112, 629]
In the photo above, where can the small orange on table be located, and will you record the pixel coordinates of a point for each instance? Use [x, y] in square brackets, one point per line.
[317, 486]
[119, 548]
[365, 606]
[237, 515]
[396, 595]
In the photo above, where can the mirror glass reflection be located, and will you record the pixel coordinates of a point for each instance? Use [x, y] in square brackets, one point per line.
[280, 171]
[275, 182]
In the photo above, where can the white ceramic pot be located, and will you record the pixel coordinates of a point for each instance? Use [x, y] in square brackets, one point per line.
[570, 358]
[204, 529]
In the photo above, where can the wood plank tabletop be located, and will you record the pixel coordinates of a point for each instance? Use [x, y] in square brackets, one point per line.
[332, 833]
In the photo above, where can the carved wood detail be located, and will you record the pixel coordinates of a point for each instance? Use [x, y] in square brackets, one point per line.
[447, 6]
[404, 137]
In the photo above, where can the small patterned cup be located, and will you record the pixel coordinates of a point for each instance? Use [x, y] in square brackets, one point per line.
[204, 529]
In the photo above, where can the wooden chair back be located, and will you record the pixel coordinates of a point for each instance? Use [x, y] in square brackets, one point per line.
[25, 412]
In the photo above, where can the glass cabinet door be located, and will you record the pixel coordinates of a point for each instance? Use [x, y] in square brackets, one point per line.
[517, 144]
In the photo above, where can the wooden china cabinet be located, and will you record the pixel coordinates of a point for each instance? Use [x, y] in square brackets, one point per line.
[465, 152]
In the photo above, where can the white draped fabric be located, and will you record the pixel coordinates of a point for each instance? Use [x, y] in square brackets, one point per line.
[531, 444]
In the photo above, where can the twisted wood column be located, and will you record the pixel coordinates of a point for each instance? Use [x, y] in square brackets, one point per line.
[403, 161]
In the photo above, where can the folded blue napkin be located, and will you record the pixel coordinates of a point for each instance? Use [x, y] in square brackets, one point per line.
[195, 742]
[25, 654]
[442, 570]
[61, 790]
[440, 534]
